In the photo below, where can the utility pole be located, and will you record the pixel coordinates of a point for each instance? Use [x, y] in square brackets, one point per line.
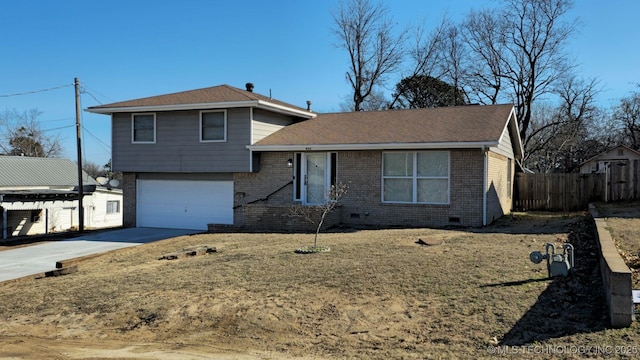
[76, 83]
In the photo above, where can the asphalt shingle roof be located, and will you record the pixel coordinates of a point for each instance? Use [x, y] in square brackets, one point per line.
[458, 124]
[18, 171]
[215, 94]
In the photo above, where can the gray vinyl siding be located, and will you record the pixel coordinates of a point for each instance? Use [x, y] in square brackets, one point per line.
[505, 146]
[266, 123]
[178, 147]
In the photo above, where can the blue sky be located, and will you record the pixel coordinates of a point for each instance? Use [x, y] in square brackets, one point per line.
[127, 49]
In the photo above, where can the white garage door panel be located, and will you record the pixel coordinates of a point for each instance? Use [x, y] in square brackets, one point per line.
[184, 204]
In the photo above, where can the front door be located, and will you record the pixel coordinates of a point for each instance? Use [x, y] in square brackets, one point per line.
[315, 178]
[314, 175]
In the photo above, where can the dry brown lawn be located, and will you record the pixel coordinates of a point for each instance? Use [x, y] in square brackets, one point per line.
[623, 220]
[376, 295]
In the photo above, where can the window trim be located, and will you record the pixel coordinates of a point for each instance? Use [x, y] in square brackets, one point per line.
[331, 175]
[224, 135]
[414, 178]
[118, 207]
[133, 128]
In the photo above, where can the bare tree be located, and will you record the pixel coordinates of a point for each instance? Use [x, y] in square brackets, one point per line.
[563, 137]
[425, 57]
[484, 38]
[317, 213]
[627, 116]
[23, 135]
[454, 62]
[365, 30]
[520, 47]
[94, 170]
[536, 56]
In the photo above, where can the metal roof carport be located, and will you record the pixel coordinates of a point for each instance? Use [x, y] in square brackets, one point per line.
[44, 199]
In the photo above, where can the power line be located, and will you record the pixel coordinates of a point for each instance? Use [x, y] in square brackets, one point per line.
[36, 91]
[58, 128]
[53, 120]
[97, 139]
[90, 94]
[85, 88]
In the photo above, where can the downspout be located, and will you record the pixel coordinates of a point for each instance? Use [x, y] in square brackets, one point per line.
[251, 139]
[485, 161]
[4, 219]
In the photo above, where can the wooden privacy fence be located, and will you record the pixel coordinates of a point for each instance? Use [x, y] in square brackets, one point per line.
[558, 192]
[622, 180]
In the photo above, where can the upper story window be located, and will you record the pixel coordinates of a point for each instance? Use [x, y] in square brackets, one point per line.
[415, 177]
[143, 128]
[213, 126]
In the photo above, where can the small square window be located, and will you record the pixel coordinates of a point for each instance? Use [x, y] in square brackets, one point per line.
[113, 207]
[143, 128]
[213, 126]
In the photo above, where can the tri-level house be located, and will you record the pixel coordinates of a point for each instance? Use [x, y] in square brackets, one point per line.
[224, 156]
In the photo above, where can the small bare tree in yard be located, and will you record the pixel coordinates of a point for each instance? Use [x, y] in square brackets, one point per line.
[317, 213]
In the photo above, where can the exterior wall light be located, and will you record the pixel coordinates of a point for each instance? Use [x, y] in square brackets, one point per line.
[289, 163]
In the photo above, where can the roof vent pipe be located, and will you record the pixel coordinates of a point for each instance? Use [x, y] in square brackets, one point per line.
[249, 87]
[308, 105]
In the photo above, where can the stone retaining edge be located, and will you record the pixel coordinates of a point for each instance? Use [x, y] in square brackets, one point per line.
[616, 276]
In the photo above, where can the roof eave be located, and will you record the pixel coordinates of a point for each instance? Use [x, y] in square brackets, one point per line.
[512, 122]
[216, 105]
[285, 109]
[382, 146]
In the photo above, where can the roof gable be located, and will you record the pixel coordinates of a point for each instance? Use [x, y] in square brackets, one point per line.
[221, 96]
[472, 125]
[612, 154]
[17, 171]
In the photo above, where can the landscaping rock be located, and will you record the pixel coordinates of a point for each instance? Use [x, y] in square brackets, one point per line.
[189, 252]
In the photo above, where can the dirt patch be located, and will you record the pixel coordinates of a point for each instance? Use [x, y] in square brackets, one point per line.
[375, 295]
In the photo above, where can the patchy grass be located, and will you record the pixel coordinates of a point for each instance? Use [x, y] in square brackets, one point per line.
[376, 295]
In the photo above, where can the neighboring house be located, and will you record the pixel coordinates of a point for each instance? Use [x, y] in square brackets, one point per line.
[232, 157]
[621, 166]
[40, 196]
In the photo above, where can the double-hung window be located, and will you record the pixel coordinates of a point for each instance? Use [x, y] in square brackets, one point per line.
[143, 128]
[213, 126]
[420, 177]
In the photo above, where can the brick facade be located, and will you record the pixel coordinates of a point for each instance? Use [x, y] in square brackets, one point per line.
[499, 198]
[129, 196]
[263, 198]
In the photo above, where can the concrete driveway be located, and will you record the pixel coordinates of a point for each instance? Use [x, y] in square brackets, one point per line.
[37, 259]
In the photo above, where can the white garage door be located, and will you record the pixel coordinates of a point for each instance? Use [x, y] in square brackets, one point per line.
[184, 204]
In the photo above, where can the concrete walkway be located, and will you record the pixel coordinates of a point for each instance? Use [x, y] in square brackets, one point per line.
[37, 259]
